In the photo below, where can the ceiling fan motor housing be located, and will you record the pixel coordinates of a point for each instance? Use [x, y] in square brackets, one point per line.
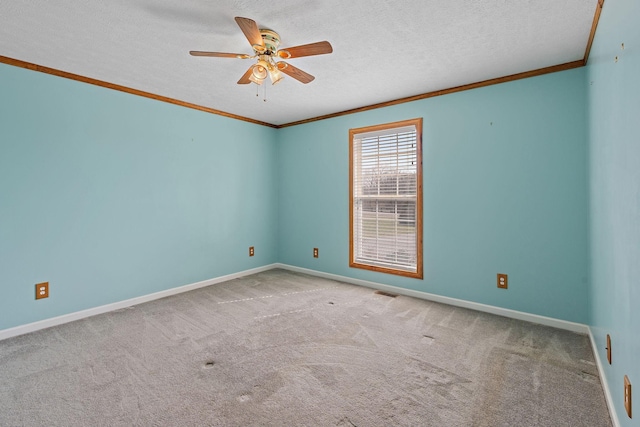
[271, 41]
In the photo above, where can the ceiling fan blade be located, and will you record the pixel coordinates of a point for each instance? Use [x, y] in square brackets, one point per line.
[219, 54]
[245, 77]
[319, 48]
[294, 72]
[251, 32]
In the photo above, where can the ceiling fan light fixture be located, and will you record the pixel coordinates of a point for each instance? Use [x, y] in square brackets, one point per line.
[255, 80]
[275, 75]
[260, 70]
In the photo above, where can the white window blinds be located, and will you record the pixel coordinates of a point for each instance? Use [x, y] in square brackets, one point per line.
[384, 195]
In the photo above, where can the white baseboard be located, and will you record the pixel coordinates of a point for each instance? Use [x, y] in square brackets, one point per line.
[42, 324]
[505, 312]
[47, 323]
[603, 379]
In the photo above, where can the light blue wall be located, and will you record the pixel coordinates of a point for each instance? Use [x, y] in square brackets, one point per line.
[110, 196]
[614, 135]
[505, 191]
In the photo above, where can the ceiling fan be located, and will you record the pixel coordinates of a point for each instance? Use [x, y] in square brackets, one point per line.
[265, 44]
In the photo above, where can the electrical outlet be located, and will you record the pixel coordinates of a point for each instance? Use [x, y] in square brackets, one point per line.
[609, 348]
[503, 281]
[627, 395]
[251, 251]
[315, 252]
[42, 290]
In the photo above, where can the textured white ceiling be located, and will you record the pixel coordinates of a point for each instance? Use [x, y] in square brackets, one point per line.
[383, 50]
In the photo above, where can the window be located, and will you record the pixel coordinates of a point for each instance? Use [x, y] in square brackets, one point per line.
[385, 192]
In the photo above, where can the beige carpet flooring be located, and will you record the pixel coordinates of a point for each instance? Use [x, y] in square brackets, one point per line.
[285, 349]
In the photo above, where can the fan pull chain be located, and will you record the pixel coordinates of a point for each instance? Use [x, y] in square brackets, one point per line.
[265, 93]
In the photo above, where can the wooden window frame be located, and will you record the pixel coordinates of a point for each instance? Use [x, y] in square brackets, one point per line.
[418, 274]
